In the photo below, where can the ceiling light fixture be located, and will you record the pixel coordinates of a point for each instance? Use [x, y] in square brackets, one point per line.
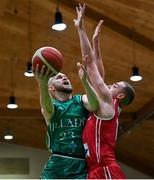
[135, 70]
[8, 135]
[12, 103]
[12, 100]
[29, 72]
[59, 25]
[135, 74]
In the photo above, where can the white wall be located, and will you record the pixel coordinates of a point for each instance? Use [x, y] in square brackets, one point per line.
[38, 157]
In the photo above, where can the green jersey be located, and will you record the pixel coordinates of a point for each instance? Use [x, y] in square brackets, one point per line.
[64, 138]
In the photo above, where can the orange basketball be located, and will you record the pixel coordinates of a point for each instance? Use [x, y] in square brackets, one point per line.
[50, 57]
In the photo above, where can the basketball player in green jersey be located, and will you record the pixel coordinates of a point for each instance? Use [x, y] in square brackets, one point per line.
[65, 116]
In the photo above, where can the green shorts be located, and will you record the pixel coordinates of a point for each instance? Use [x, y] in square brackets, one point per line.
[64, 167]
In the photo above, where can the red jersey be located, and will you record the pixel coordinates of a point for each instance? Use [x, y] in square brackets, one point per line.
[99, 138]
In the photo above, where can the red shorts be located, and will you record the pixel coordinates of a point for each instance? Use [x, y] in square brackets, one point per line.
[111, 171]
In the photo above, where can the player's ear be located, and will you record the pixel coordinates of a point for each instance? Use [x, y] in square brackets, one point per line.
[120, 95]
[51, 88]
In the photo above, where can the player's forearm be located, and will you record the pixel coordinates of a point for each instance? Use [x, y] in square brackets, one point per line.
[85, 44]
[98, 56]
[91, 95]
[45, 98]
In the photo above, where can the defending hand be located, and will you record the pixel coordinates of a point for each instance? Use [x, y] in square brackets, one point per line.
[78, 22]
[98, 30]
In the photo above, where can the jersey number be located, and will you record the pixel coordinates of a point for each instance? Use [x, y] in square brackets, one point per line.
[64, 135]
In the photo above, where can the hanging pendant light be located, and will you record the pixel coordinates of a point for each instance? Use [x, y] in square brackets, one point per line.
[28, 72]
[135, 74]
[59, 25]
[12, 99]
[135, 70]
[12, 103]
[8, 134]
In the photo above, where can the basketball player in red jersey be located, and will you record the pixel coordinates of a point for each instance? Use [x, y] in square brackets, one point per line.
[100, 132]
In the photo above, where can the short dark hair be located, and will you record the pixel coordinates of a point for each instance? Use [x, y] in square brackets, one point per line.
[129, 93]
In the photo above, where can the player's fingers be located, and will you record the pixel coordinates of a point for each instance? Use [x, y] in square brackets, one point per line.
[85, 60]
[79, 6]
[100, 25]
[48, 72]
[78, 65]
[83, 8]
[42, 70]
[101, 21]
[77, 10]
[37, 68]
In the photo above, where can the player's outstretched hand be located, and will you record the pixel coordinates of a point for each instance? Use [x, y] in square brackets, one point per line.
[80, 10]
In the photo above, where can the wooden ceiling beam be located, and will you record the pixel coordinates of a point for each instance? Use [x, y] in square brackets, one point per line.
[21, 114]
[141, 115]
[112, 24]
[36, 113]
[3, 6]
[146, 111]
[11, 28]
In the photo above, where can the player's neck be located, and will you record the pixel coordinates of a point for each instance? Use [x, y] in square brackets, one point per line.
[63, 96]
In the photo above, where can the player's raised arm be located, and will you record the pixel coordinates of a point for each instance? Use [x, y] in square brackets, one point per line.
[47, 107]
[96, 49]
[103, 93]
[86, 48]
[90, 99]
[93, 73]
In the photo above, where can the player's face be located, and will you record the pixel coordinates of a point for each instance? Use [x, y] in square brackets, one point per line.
[116, 88]
[62, 83]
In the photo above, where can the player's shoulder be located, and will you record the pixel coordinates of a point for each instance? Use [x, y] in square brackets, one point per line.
[77, 97]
